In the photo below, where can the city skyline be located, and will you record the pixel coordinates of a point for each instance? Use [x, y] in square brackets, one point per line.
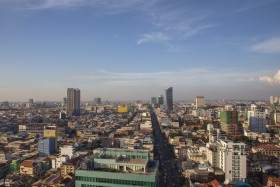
[129, 50]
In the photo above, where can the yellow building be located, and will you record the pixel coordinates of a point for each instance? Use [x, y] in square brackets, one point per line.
[29, 167]
[122, 109]
[51, 132]
[69, 167]
[177, 140]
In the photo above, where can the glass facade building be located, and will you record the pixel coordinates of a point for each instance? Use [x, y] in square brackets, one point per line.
[169, 99]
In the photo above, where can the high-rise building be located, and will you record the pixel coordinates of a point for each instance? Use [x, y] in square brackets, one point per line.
[227, 155]
[97, 101]
[62, 115]
[275, 117]
[241, 106]
[169, 99]
[30, 103]
[229, 121]
[257, 121]
[271, 99]
[199, 102]
[64, 102]
[73, 102]
[232, 160]
[46, 147]
[160, 100]
[130, 108]
[154, 101]
[51, 132]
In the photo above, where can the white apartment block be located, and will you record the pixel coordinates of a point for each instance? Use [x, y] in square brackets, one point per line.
[212, 154]
[232, 160]
[227, 155]
[57, 162]
[256, 121]
[67, 150]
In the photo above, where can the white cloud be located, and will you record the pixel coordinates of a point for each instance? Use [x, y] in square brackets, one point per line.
[270, 46]
[194, 76]
[274, 79]
[170, 22]
[41, 4]
[248, 5]
[176, 22]
[153, 37]
[110, 6]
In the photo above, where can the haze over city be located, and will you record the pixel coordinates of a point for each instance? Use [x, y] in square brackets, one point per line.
[124, 50]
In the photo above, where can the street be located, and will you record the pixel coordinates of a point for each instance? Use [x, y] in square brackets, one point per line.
[168, 169]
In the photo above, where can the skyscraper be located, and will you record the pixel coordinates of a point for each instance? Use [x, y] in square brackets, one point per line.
[199, 102]
[51, 132]
[64, 102]
[154, 101]
[73, 102]
[30, 103]
[160, 100]
[169, 99]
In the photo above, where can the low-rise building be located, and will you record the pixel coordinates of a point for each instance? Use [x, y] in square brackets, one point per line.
[69, 167]
[194, 155]
[115, 167]
[268, 149]
[30, 167]
[56, 181]
[273, 182]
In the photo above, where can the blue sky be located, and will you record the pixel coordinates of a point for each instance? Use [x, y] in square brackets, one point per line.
[134, 49]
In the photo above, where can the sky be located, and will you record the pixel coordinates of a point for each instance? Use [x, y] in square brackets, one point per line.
[135, 49]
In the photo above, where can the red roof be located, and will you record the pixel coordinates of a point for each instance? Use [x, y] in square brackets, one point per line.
[182, 140]
[272, 179]
[266, 147]
[144, 131]
[215, 183]
[27, 163]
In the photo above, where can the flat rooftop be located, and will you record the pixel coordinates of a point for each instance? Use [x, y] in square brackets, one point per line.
[151, 167]
[122, 150]
[132, 161]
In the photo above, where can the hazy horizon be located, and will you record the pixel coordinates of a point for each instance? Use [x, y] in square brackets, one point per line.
[143, 100]
[134, 50]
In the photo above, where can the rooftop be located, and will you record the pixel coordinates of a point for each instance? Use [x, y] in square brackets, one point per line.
[123, 150]
[132, 161]
[266, 147]
[151, 167]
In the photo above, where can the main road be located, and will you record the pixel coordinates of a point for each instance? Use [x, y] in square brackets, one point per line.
[168, 169]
